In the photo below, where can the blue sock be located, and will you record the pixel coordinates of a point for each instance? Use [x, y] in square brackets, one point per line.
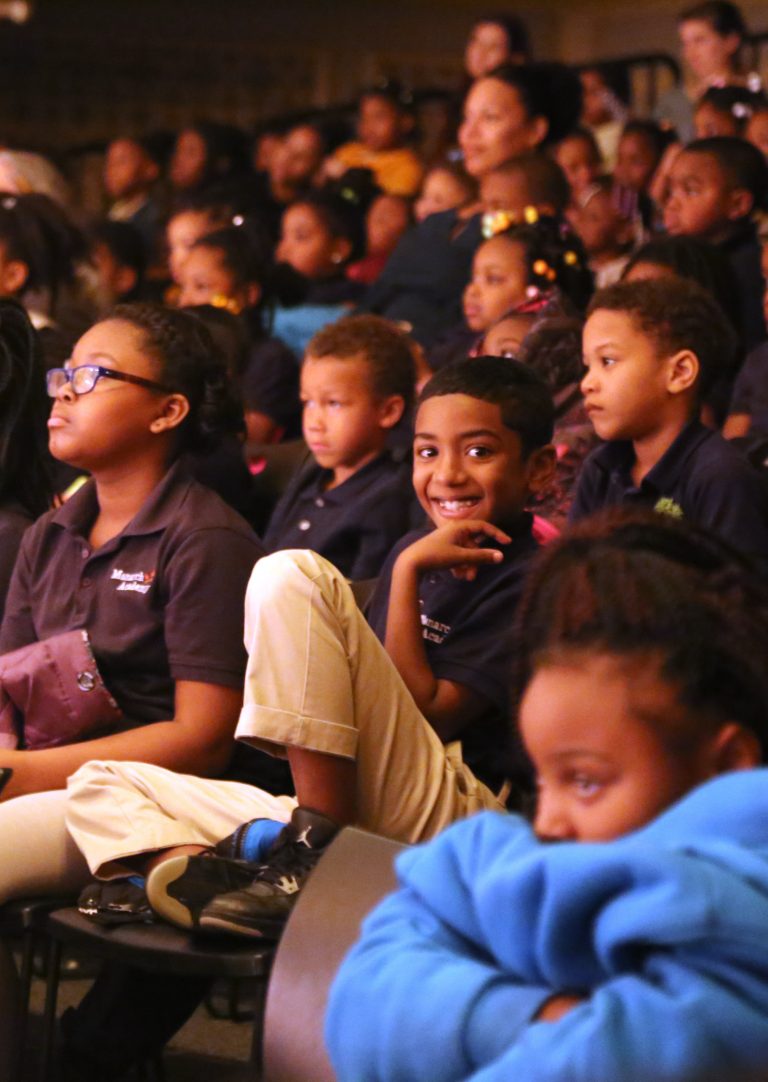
[138, 881]
[258, 837]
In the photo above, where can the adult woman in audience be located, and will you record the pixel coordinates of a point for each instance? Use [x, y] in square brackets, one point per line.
[26, 488]
[711, 36]
[509, 112]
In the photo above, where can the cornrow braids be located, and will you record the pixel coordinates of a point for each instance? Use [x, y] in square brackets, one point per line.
[190, 364]
[637, 584]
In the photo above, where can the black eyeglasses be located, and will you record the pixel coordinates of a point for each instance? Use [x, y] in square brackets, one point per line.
[85, 377]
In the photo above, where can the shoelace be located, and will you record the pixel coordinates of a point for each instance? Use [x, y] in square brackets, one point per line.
[288, 859]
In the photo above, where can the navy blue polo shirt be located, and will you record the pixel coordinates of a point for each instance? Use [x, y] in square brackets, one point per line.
[750, 392]
[468, 636]
[700, 477]
[162, 601]
[353, 525]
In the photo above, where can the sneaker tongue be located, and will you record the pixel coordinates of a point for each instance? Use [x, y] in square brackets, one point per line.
[311, 829]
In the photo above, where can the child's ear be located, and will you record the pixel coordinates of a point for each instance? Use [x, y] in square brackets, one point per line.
[175, 409]
[540, 469]
[14, 277]
[538, 129]
[741, 203]
[735, 748]
[682, 371]
[252, 294]
[391, 409]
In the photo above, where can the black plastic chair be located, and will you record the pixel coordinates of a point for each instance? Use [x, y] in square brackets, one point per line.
[156, 948]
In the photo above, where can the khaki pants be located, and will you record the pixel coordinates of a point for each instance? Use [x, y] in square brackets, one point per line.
[317, 678]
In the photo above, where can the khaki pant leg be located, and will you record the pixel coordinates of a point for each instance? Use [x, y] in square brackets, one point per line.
[117, 810]
[318, 678]
[37, 855]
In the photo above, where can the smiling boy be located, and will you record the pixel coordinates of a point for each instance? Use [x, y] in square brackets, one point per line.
[359, 724]
[652, 349]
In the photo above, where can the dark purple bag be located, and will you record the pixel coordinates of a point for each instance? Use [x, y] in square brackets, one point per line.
[51, 693]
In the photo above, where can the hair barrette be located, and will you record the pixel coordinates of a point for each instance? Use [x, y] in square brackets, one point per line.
[238, 220]
[229, 304]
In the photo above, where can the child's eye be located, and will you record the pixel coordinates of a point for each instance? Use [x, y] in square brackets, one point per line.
[478, 451]
[426, 452]
[607, 362]
[585, 785]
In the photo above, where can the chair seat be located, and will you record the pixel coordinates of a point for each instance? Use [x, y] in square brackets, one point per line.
[161, 948]
[28, 914]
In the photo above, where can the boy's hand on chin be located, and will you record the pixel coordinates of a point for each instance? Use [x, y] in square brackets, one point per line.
[458, 546]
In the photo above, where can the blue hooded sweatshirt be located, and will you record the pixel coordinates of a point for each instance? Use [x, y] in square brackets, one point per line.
[664, 931]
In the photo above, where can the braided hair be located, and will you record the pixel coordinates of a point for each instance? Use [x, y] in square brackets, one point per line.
[190, 364]
[24, 462]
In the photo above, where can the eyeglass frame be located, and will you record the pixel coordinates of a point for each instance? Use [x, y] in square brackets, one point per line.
[101, 372]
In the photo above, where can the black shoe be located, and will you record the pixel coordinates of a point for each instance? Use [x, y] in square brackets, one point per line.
[178, 888]
[261, 908]
[115, 901]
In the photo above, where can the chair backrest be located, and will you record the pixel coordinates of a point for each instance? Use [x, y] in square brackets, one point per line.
[354, 873]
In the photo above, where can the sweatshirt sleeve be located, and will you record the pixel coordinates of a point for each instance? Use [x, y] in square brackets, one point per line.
[415, 1002]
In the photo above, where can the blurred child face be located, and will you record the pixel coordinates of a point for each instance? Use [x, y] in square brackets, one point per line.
[625, 386]
[757, 131]
[182, 231]
[385, 223]
[441, 190]
[708, 121]
[128, 169]
[576, 157]
[706, 52]
[468, 465]
[496, 127]
[505, 338]
[267, 146]
[602, 773]
[700, 202]
[594, 99]
[603, 230]
[202, 276]
[636, 162]
[189, 160]
[115, 280]
[507, 190]
[487, 47]
[345, 424]
[307, 244]
[499, 281]
[298, 158]
[380, 124]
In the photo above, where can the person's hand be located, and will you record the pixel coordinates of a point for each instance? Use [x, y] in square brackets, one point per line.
[458, 546]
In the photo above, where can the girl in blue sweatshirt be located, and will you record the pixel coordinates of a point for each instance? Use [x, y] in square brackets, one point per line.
[640, 952]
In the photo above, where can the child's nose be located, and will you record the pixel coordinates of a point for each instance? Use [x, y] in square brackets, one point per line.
[587, 382]
[450, 469]
[551, 822]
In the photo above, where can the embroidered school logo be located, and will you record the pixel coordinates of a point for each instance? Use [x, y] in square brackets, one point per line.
[667, 506]
[433, 630]
[137, 582]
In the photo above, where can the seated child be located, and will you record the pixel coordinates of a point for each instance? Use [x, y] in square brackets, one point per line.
[642, 149]
[605, 93]
[652, 350]
[131, 172]
[445, 187]
[578, 155]
[715, 186]
[192, 218]
[321, 233]
[352, 502]
[725, 110]
[119, 255]
[384, 122]
[481, 450]
[230, 269]
[633, 947]
[606, 231]
[386, 220]
[756, 131]
[748, 413]
[523, 265]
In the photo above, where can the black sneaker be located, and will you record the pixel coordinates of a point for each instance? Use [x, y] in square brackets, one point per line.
[261, 908]
[115, 901]
[178, 888]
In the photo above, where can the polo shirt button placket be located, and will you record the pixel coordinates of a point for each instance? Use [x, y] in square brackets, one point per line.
[304, 524]
[319, 502]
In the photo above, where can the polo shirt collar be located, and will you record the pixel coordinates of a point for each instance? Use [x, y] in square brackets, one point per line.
[618, 457]
[156, 513]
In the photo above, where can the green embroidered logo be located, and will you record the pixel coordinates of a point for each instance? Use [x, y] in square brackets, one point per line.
[667, 506]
